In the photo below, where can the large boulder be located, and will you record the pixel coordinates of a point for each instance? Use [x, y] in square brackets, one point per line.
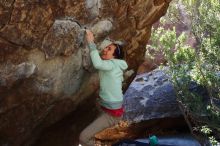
[45, 67]
[151, 96]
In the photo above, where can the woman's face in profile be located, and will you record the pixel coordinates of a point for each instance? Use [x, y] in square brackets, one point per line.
[107, 52]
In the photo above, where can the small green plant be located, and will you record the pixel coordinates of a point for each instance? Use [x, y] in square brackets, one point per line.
[207, 131]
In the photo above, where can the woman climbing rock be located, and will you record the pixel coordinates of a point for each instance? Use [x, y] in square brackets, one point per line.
[110, 65]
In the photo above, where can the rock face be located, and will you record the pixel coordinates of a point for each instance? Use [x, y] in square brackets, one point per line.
[45, 67]
[151, 96]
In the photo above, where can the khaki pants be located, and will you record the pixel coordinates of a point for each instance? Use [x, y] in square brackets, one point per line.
[103, 121]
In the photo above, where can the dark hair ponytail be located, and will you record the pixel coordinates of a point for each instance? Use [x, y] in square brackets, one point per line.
[118, 53]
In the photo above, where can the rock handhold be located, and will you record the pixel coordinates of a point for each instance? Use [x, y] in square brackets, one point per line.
[93, 7]
[11, 73]
[64, 38]
[102, 28]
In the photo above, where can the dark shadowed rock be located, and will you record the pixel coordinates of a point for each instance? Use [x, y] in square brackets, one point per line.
[150, 96]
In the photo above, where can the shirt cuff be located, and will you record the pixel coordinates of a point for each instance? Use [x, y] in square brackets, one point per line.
[92, 46]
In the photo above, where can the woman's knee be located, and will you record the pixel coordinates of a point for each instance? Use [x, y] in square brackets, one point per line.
[82, 137]
[86, 136]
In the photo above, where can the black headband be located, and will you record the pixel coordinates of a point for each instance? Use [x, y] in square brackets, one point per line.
[117, 47]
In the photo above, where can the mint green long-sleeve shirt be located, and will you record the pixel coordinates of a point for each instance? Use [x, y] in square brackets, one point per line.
[111, 77]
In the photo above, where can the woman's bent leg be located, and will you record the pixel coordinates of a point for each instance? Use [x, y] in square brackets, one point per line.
[103, 121]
